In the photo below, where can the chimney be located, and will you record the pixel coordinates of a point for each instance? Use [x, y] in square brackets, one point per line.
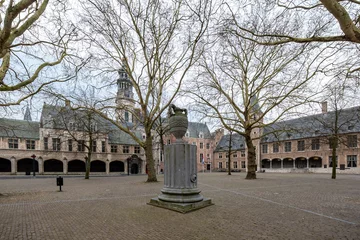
[324, 107]
[67, 103]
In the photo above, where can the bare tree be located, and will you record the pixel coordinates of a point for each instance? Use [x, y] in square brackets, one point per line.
[156, 42]
[245, 84]
[32, 42]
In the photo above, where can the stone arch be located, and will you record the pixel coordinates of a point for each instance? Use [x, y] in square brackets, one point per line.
[288, 163]
[117, 166]
[97, 166]
[315, 162]
[300, 162]
[265, 163]
[76, 165]
[5, 165]
[135, 164]
[26, 165]
[53, 165]
[276, 163]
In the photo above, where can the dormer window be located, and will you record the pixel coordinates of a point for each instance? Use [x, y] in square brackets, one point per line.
[350, 127]
[201, 135]
[187, 134]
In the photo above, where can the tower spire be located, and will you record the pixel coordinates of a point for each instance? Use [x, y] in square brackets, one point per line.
[27, 115]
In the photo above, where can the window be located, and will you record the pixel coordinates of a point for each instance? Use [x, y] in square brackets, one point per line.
[201, 135]
[187, 134]
[56, 144]
[168, 141]
[161, 156]
[113, 148]
[235, 155]
[351, 160]
[208, 146]
[194, 143]
[276, 147]
[201, 145]
[137, 149]
[201, 157]
[227, 155]
[330, 161]
[46, 143]
[13, 143]
[220, 155]
[227, 165]
[126, 149]
[301, 145]
[264, 148]
[93, 127]
[287, 146]
[103, 146]
[242, 153]
[30, 144]
[126, 116]
[81, 144]
[71, 126]
[243, 164]
[70, 142]
[235, 164]
[352, 141]
[220, 164]
[315, 144]
[94, 147]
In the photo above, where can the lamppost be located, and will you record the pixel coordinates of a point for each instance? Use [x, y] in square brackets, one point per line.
[33, 164]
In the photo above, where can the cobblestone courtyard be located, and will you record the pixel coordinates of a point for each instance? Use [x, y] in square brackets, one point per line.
[275, 206]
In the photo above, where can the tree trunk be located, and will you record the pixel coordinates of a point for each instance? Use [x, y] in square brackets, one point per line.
[87, 165]
[251, 173]
[150, 159]
[333, 156]
[229, 154]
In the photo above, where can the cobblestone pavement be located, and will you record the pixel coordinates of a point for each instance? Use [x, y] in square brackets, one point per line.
[275, 206]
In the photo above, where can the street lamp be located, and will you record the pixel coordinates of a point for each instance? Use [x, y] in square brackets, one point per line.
[33, 164]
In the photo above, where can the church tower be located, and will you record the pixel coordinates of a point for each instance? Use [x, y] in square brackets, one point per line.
[125, 97]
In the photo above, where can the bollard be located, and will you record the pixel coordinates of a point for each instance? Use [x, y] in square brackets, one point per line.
[59, 182]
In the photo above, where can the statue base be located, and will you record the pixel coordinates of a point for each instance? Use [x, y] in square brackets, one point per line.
[181, 207]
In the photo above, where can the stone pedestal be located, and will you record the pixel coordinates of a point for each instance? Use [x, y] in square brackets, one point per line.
[180, 192]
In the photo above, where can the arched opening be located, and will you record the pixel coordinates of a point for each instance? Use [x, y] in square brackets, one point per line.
[134, 168]
[26, 165]
[288, 163]
[315, 162]
[265, 163]
[300, 162]
[117, 166]
[53, 165]
[5, 165]
[76, 166]
[97, 166]
[276, 163]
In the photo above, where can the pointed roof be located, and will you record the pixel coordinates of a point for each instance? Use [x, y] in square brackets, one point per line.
[27, 115]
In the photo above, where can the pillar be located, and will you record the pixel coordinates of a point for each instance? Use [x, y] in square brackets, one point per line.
[107, 166]
[41, 166]
[126, 168]
[65, 166]
[270, 164]
[13, 166]
[282, 163]
[294, 163]
[307, 163]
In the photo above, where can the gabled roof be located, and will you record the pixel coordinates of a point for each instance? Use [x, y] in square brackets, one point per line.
[237, 143]
[314, 126]
[195, 128]
[19, 128]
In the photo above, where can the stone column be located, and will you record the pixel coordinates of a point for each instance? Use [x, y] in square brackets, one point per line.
[13, 166]
[126, 168]
[41, 166]
[270, 164]
[294, 163]
[307, 163]
[65, 166]
[282, 163]
[107, 166]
